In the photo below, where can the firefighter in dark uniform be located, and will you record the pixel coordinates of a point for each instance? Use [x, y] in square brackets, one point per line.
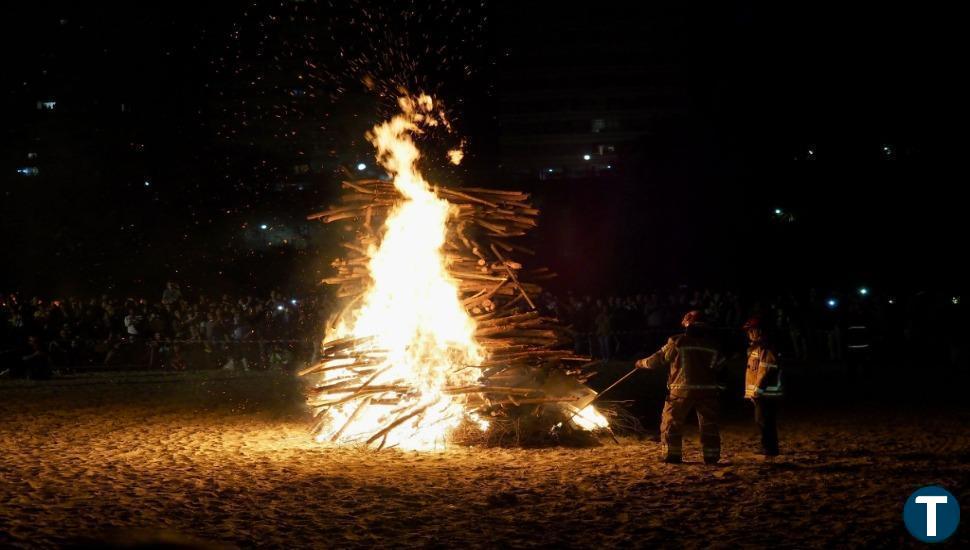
[762, 385]
[694, 359]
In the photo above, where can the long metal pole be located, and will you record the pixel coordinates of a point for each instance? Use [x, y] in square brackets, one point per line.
[600, 394]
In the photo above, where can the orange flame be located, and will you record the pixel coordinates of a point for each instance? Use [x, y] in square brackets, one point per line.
[412, 310]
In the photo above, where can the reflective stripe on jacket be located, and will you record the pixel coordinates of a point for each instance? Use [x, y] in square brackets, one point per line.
[762, 377]
[694, 361]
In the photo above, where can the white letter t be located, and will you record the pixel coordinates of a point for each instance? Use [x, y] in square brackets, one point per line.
[931, 503]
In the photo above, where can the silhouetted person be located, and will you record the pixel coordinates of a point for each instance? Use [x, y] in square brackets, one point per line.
[762, 385]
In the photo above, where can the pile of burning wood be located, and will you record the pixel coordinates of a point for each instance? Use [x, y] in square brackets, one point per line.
[528, 371]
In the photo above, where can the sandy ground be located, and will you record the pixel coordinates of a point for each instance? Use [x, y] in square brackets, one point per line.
[225, 459]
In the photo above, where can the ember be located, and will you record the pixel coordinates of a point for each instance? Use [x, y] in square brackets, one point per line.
[439, 328]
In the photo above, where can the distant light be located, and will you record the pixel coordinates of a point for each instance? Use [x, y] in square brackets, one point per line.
[46, 105]
[147, 183]
[609, 166]
[778, 212]
[28, 171]
[832, 303]
[264, 226]
[864, 291]
[361, 167]
[293, 301]
[811, 151]
[279, 308]
[550, 170]
[586, 157]
[955, 300]
[892, 301]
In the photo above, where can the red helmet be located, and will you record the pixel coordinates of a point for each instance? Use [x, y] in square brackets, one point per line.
[752, 323]
[691, 318]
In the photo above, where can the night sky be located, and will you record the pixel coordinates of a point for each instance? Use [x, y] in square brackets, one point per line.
[178, 131]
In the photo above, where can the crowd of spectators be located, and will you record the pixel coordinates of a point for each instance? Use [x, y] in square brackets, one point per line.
[198, 331]
[859, 328]
[174, 331]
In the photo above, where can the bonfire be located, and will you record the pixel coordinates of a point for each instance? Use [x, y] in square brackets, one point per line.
[438, 333]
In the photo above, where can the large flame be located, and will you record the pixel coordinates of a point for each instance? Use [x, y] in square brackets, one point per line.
[412, 310]
[588, 418]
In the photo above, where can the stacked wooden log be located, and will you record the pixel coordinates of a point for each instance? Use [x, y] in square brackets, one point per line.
[524, 347]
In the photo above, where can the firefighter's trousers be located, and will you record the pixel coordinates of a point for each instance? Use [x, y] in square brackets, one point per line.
[675, 414]
[765, 416]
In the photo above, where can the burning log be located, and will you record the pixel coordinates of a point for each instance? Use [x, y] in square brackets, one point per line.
[482, 389]
[363, 405]
[533, 401]
[400, 420]
[334, 346]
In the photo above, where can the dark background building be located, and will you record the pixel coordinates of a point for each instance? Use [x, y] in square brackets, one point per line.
[142, 141]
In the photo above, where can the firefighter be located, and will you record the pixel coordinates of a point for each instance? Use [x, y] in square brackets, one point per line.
[762, 385]
[694, 359]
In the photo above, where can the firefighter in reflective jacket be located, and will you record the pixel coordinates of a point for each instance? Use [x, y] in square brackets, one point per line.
[762, 385]
[694, 358]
